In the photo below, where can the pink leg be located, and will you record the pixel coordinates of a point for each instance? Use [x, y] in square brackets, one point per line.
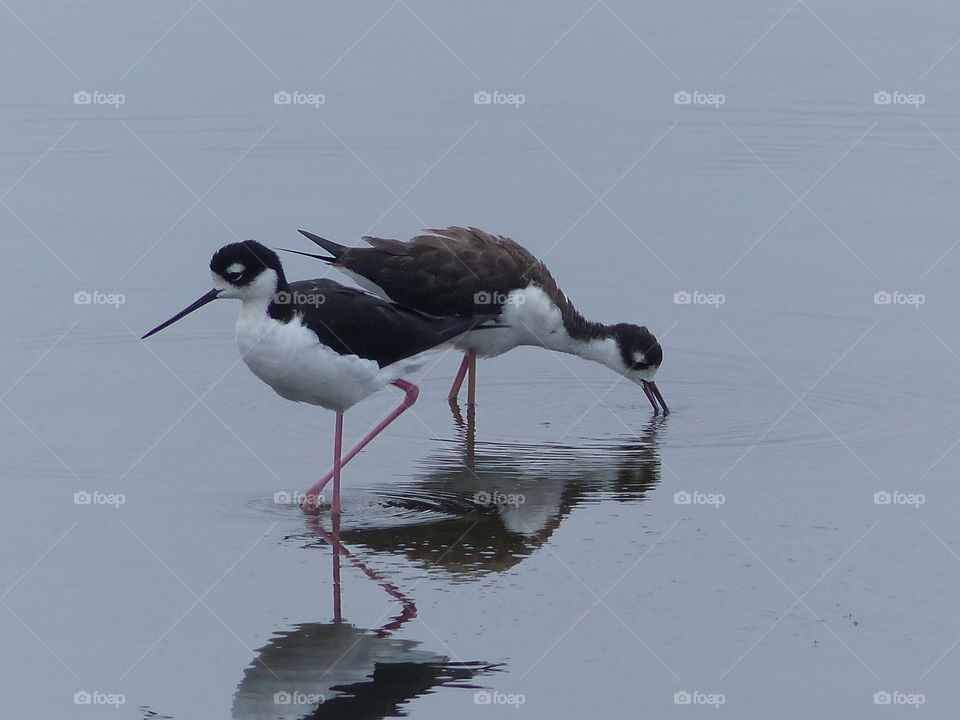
[458, 380]
[337, 464]
[310, 503]
[337, 604]
[472, 381]
[409, 610]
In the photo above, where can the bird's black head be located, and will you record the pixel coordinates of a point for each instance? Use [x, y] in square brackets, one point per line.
[238, 265]
[640, 356]
[246, 271]
[639, 349]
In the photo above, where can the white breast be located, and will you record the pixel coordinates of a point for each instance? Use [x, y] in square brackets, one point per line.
[530, 317]
[289, 358]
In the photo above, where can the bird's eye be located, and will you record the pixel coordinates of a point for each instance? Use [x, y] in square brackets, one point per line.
[232, 273]
[640, 365]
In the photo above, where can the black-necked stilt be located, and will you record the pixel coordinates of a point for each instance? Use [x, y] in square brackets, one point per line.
[467, 272]
[319, 342]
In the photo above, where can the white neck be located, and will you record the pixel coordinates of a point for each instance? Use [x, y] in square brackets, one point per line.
[602, 350]
[606, 351]
[254, 308]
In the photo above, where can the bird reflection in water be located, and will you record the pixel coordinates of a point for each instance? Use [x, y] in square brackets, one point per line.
[313, 671]
[484, 507]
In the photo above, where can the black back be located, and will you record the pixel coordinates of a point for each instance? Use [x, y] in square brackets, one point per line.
[353, 322]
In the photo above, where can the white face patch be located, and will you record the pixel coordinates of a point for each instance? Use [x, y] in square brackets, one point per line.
[261, 288]
[236, 268]
[639, 358]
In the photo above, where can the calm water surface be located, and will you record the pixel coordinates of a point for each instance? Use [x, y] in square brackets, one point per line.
[784, 544]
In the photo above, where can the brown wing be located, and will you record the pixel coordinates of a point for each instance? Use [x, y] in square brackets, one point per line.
[464, 271]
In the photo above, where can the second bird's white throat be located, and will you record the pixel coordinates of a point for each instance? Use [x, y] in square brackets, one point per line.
[532, 318]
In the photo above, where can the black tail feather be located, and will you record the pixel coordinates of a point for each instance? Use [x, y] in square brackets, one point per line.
[335, 249]
[306, 254]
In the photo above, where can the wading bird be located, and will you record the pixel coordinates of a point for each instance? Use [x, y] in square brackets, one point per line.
[318, 342]
[466, 272]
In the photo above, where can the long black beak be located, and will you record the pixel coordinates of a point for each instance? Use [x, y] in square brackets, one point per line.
[652, 392]
[209, 297]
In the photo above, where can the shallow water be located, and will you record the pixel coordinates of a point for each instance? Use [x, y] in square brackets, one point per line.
[782, 545]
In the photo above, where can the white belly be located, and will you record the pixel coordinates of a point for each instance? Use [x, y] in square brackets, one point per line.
[288, 358]
[530, 318]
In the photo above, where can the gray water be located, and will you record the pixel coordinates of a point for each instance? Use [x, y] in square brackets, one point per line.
[787, 215]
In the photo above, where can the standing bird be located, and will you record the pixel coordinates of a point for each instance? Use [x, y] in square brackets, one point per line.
[319, 342]
[469, 273]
